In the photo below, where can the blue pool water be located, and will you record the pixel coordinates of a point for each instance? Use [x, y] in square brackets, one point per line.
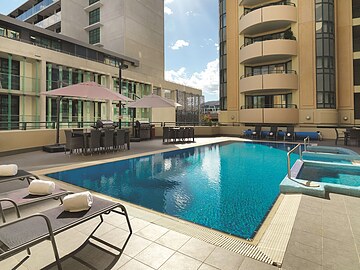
[349, 176]
[228, 187]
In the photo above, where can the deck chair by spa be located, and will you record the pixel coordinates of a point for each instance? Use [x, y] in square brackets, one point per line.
[23, 233]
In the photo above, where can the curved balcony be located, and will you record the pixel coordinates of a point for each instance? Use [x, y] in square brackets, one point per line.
[277, 80]
[269, 115]
[251, 2]
[269, 50]
[268, 18]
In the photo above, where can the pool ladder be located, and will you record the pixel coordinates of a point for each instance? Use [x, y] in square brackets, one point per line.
[298, 147]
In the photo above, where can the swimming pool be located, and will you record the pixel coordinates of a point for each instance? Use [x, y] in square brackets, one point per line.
[229, 187]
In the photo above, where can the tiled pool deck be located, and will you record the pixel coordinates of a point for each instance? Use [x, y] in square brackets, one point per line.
[314, 233]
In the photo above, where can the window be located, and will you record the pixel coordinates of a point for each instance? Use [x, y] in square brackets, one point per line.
[94, 36]
[269, 101]
[92, 2]
[94, 16]
[223, 55]
[325, 54]
[14, 74]
[357, 105]
[9, 104]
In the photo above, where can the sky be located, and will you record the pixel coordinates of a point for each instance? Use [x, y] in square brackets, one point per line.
[191, 43]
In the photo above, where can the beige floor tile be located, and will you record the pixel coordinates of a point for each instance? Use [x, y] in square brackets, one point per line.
[154, 255]
[205, 266]
[116, 236]
[10, 263]
[135, 245]
[180, 261]
[197, 249]
[136, 225]
[152, 232]
[173, 240]
[115, 219]
[224, 259]
[104, 228]
[135, 265]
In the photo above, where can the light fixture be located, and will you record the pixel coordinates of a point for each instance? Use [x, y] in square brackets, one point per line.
[232, 117]
[308, 117]
[345, 118]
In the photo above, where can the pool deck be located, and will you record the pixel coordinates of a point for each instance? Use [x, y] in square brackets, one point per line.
[319, 233]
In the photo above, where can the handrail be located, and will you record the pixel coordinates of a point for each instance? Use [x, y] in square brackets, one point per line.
[306, 142]
[280, 3]
[269, 72]
[288, 158]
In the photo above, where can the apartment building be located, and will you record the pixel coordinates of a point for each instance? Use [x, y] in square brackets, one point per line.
[50, 44]
[292, 62]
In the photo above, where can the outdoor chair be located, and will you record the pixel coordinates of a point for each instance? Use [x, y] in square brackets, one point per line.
[257, 133]
[192, 134]
[354, 136]
[272, 135]
[107, 140]
[73, 142]
[289, 134]
[187, 134]
[93, 141]
[119, 139]
[180, 134]
[166, 134]
[23, 233]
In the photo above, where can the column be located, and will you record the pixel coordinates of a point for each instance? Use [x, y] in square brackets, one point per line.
[9, 89]
[70, 100]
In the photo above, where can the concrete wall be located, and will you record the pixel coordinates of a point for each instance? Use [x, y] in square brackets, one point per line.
[74, 18]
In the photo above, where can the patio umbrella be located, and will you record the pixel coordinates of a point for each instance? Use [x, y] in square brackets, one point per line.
[153, 101]
[85, 90]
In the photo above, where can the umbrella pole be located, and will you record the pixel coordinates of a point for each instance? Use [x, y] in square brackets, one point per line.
[58, 120]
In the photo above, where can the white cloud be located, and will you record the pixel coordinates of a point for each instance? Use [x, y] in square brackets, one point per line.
[191, 13]
[179, 44]
[206, 80]
[217, 46]
[168, 11]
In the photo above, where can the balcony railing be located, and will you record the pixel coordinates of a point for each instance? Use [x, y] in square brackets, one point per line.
[268, 72]
[266, 39]
[35, 9]
[54, 19]
[273, 106]
[286, 3]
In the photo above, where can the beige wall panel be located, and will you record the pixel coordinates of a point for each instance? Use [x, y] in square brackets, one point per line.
[74, 18]
[280, 47]
[251, 51]
[306, 116]
[228, 116]
[307, 65]
[251, 83]
[251, 116]
[232, 56]
[274, 115]
[323, 117]
[344, 55]
[163, 115]
[280, 81]
[346, 117]
[250, 19]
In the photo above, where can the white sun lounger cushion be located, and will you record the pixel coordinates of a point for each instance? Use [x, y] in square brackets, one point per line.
[78, 202]
[41, 187]
[8, 170]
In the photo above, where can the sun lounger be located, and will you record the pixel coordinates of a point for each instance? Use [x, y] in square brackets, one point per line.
[22, 197]
[25, 232]
[21, 175]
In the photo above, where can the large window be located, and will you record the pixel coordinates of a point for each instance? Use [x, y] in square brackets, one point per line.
[14, 74]
[9, 104]
[357, 105]
[223, 56]
[94, 16]
[93, 1]
[269, 101]
[325, 55]
[356, 8]
[269, 69]
[94, 36]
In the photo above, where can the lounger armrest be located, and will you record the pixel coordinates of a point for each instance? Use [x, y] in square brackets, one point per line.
[13, 203]
[29, 242]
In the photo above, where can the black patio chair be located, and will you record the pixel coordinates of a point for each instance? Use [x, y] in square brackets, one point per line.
[92, 142]
[107, 140]
[272, 135]
[23, 233]
[73, 142]
[166, 134]
[119, 139]
[256, 134]
[290, 133]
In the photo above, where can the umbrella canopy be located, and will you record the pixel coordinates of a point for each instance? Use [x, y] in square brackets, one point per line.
[153, 101]
[88, 90]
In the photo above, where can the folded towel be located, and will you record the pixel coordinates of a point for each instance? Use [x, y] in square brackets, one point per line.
[78, 202]
[8, 170]
[41, 187]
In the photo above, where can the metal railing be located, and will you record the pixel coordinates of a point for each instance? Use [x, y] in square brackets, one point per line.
[268, 72]
[267, 39]
[306, 143]
[273, 106]
[281, 3]
[298, 147]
